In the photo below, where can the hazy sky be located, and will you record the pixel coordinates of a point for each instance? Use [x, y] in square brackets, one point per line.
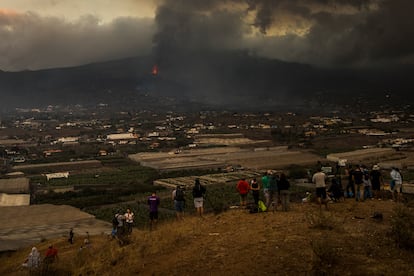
[38, 34]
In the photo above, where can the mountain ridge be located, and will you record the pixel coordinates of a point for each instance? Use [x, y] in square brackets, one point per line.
[198, 80]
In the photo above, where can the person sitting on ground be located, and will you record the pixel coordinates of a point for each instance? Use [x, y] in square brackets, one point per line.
[335, 190]
[33, 260]
[198, 195]
[87, 239]
[51, 255]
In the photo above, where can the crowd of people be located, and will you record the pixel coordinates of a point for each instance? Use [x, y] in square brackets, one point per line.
[275, 187]
[362, 184]
[271, 192]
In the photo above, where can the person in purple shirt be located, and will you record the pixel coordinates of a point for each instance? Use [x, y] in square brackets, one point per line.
[153, 202]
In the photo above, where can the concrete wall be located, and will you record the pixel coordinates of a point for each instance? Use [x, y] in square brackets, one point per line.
[14, 200]
[14, 185]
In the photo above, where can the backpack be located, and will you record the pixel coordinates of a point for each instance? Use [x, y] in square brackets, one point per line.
[179, 194]
[262, 207]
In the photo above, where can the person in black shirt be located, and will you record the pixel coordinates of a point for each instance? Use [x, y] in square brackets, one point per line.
[283, 187]
[358, 177]
[198, 195]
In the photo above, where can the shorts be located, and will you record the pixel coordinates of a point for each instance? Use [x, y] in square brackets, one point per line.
[397, 188]
[243, 197]
[179, 205]
[153, 215]
[198, 202]
[321, 192]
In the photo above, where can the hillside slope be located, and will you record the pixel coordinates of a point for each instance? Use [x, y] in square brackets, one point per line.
[342, 241]
[190, 81]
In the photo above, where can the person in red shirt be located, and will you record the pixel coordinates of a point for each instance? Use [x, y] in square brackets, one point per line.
[243, 188]
[51, 254]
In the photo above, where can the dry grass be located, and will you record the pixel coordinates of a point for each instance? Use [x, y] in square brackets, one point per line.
[302, 241]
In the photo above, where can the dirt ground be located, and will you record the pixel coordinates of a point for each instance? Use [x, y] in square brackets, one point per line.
[344, 240]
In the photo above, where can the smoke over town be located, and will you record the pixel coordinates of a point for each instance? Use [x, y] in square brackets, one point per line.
[327, 33]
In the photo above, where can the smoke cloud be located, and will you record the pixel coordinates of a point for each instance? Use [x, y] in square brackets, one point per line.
[31, 42]
[323, 32]
[330, 33]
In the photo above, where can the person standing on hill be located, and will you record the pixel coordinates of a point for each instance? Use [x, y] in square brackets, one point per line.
[376, 181]
[319, 180]
[153, 203]
[397, 179]
[178, 197]
[119, 221]
[273, 191]
[265, 185]
[283, 187]
[367, 186]
[70, 239]
[198, 195]
[358, 177]
[243, 188]
[350, 189]
[255, 187]
[129, 221]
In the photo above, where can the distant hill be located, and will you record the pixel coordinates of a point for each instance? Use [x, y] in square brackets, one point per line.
[201, 80]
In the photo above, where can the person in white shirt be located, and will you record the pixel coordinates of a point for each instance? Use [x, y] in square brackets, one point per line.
[129, 221]
[396, 178]
[319, 180]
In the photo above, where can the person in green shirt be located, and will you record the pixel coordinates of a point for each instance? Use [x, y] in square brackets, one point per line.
[265, 185]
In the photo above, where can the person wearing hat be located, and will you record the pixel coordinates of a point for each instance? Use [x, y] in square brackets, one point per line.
[376, 181]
